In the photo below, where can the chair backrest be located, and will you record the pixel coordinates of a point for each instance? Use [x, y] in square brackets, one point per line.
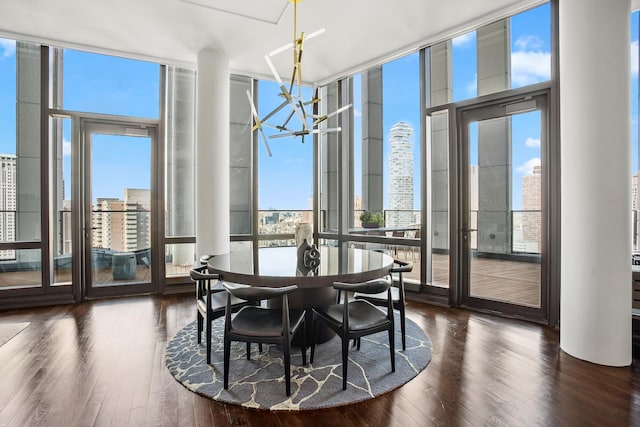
[203, 279]
[201, 273]
[257, 293]
[401, 266]
[397, 234]
[371, 287]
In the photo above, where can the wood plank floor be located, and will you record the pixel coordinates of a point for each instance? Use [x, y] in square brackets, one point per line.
[102, 363]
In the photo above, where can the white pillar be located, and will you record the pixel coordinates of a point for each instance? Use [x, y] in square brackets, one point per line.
[595, 129]
[212, 154]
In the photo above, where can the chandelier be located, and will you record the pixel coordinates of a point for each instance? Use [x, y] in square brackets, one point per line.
[302, 110]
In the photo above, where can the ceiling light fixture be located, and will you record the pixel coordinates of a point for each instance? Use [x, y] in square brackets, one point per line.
[293, 94]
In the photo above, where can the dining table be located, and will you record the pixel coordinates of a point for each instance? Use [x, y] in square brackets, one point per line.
[284, 266]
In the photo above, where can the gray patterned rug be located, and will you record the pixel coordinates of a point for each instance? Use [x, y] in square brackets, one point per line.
[259, 382]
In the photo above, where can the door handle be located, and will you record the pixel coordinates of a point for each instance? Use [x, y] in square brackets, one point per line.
[465, 232]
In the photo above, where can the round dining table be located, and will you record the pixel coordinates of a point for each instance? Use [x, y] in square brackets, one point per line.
[283, 266]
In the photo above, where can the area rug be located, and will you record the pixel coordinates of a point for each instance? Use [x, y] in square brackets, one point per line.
[259, 382]
[10, 330]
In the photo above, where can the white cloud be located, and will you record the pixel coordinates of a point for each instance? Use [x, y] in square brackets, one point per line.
[634, 58]
[357, 113]
[464, 39]
[7, 48]
[528, 43]
[529, 67]
[527, 167]
[532, 142]
[66, 148]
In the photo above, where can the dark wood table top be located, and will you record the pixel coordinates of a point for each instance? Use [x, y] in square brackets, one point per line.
[281, 267]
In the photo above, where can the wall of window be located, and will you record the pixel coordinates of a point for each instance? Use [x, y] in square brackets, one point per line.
[179, 171]
[511, 53]
[20, 166]
[635, 94]
[285, 170]
[89, 85]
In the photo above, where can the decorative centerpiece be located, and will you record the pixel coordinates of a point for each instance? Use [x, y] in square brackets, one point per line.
[308, 259]
[371, 219]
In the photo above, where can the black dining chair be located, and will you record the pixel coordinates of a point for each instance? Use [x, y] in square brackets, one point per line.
[210, 302]
[357, 318]
[397, 296]
[259, 324]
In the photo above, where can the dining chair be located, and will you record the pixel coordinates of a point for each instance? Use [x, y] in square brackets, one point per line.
[210, 302]
[255, 323]
[397, 296]
[357, 318]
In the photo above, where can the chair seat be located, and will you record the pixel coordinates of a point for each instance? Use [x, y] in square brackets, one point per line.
[254, 321]
[382, 296]
[362, 315]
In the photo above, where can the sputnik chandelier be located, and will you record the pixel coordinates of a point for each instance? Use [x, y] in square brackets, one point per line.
[292, 96]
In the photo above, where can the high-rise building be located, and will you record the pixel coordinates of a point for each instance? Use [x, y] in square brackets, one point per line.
[532, 205]
[137, 215]
[123, 225]
[400, 176]
[7, 202]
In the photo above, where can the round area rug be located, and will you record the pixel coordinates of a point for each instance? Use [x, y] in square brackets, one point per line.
[259, 382]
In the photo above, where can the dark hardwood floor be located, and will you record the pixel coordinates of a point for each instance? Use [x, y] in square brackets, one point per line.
[102, 363]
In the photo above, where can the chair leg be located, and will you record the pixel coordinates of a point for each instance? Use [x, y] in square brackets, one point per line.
[248, 350]
[358, 343]
[314, 339]
[227, 357]
[392, 348]
[345, 359]
[403, 328]
[287, 364]
[208, 339]
[208, 332]
[200, 322]
[304, 343]
[260, 347]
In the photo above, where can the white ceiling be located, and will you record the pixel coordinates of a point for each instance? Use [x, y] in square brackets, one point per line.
[359, 33]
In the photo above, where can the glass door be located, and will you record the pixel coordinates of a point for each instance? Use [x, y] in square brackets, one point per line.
[502, 222]
[118, 207]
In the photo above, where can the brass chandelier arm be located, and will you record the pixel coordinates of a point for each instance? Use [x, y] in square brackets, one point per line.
[308, 121]
[258, 124]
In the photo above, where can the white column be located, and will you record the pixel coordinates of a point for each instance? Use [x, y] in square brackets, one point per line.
[595, 129]
[212, 154]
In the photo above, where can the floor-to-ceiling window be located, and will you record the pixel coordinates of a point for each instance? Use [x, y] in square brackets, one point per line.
[285, 170]
[502, 184]
[635, 203]
[491, 61]
[21, 246]
[110, 108]
[179, 173]
[99, 183]
[386, 162]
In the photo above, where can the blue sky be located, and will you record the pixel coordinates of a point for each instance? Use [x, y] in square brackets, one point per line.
[98, 83]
